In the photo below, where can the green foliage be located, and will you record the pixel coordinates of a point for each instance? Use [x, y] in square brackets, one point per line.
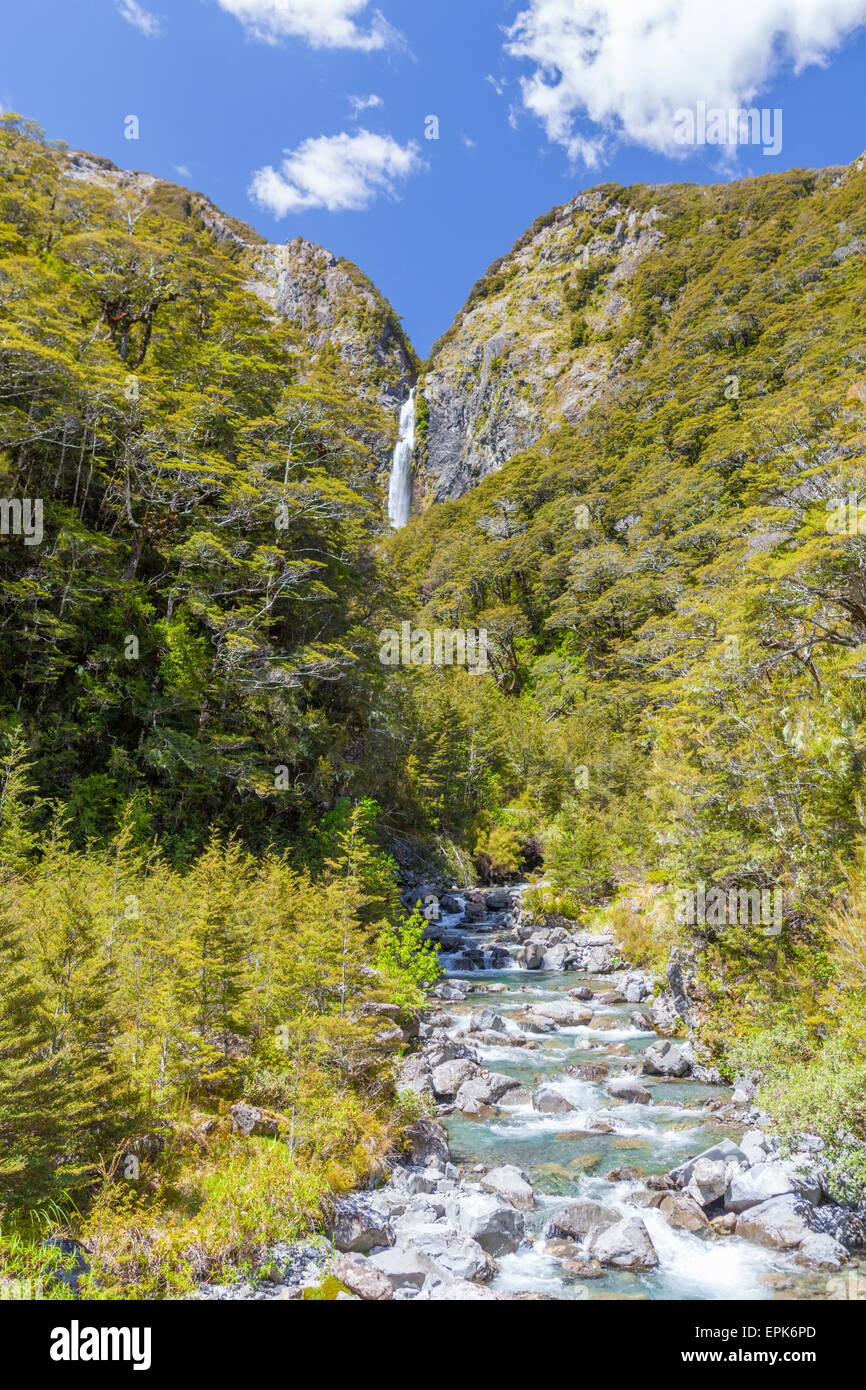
[409, 963]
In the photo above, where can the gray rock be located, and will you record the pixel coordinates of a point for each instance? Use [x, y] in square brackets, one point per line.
[484, 1090]
[629, 1088]
[580, 1221]
[449, 1076]
[449, 1255]
[363, 1278]
[726, 1150]
[426, 1141]
[248, 1119]
[550, 1102]
[817, 1251]
[486, 1021]
[626, 1245]
[562, 1011]
[495, 1224]
[781, 1223]
[666, 1058]
[402, 1268]
[360, 1224]
[512, 1184]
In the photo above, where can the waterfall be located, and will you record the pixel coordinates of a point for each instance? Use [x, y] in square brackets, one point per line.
[400, 484]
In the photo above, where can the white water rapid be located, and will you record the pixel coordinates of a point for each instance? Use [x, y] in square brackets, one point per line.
[400, 485]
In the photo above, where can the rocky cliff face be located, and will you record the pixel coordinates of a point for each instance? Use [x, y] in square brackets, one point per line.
[516, 357]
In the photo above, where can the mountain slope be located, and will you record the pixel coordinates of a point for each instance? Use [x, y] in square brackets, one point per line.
[561, 323]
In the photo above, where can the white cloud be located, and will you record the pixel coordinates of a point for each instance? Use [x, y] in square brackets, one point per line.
[183, 171]
[359, 104]
[626, 66]
[322, 23]
[139, 18]
[342, 173]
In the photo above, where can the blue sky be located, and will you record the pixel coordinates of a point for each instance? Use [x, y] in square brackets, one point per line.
[234, 95]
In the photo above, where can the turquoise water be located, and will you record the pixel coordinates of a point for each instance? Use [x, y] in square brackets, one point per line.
[563, 1168]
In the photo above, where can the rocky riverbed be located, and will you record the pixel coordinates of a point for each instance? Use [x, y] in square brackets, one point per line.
[577, 1151]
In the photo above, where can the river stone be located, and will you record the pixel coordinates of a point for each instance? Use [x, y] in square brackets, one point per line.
[448, 1254]
[626, 1245]
[819, 1251]
[458, 1291]
[590, 1072]
[512, 1184]
[486, 1021]
[449, 1077]
[581, 1219]
[755, 1146]
[628, 1088]
[363, 1278]
[756, 1185]
[550, 1102]
[725, 1150]
[556, 957]
[666, 1058]
[484, 1090]
[426, 1143]
[781, 1223]
[536, 1023]
[663, 1013]
[682, 1212]
[401, 1268]
[709, 1180]
[360, 1223]
[567, 1011]
[844, 1225]
[495, 1224]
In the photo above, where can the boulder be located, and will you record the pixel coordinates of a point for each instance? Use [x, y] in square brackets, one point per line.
[663, 1013]
[550, 1101]
[666, 1058]
[495, 1224]
[426, 1142]
[449, 1077]
[484, 1090]
[709, 1180]
[248, 1119]
[512, 1184]
[562, 1011]
[590, 1071]
[581, 1220]
[626, 1245]
[817, 1251]
[360, 1223]
[401, 1268]
[486, 1021]
[449, 1254]
[362, 1278]
[725, 1150]
[682, 1212]
[628, 1088]
[556, 957]
[756, 1184]
[456, 1291]
[498, 899]
[582, 992]
[782, 1223]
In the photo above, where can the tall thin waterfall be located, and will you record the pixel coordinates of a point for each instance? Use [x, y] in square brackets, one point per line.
[400, 484]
